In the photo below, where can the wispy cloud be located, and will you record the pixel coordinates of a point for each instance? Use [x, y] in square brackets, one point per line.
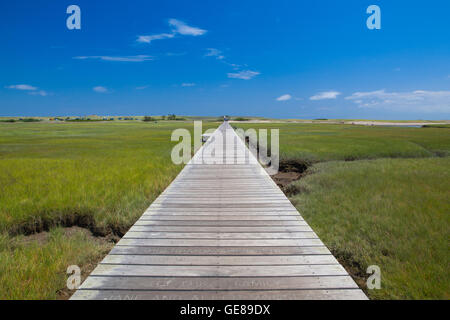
[188, 84]
[182, 28]
[212, 52]
[216, 53]
[41, 93]
[21, 87]
[142, 87]
[100, 89]
[325, 95]
[413, 101]
[29, 89]
[178, 27]
[244, 75]
[148, 39]
[234, 65]
[284, 97]
[138, 58]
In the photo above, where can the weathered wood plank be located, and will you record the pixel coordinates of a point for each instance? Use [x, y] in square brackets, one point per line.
[211, 250]
[234, 229]
[220, 243]
[214, 213]
[222, 218]
[219, 235]
[337, 294]
[218, 271]
[218, 283]
[222, 223]
[219, 260]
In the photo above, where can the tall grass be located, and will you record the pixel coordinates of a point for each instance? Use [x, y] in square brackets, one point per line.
[393, 213]
[98, 175]
[110, 172]
[37, 269]
[325, 142]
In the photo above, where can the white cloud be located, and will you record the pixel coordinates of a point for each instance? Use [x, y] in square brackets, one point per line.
[284, 97]
[178, 27]
[31, 90]
[413, 101]
[188, 84]
[41, 93]
[100, 89]
[138, 58]
[21, 87]
[245, 74]
[148, 39]
[234, 66]
[182, 28]
[212, 52]
[325, 95]
[141, 87]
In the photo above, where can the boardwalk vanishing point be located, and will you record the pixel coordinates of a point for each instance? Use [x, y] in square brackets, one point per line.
[220, 231]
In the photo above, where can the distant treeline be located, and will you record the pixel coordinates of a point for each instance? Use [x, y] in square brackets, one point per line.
[96, 119]
[83, 120]
[445, 126]
[21, 120]
[168, 117]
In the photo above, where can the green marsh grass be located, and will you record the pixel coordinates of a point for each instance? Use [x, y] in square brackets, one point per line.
[37, 269]
[100, 175]
[393, 213]
[325, 142]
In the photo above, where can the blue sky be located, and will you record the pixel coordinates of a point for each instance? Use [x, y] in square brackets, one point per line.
[283, 59]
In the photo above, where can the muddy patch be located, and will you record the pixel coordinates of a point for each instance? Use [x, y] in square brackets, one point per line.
[43, 237]
[355, 269]
[85, 221]
[290, 171]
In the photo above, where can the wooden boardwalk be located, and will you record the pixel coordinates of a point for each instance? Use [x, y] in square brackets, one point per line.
[220, 231]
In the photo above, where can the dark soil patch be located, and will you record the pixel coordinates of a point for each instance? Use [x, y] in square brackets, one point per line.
[42, 237]
[290, 171]
[39, 238]
[283, 179]
[353, 267]
[85, 221]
